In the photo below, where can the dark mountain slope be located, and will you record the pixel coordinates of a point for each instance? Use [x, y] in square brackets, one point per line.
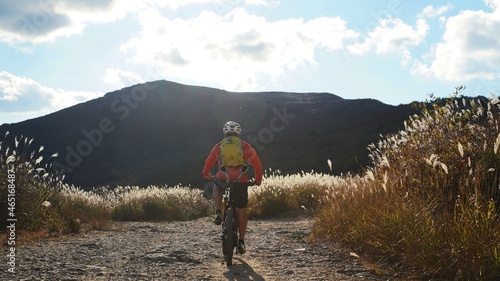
[161, 132]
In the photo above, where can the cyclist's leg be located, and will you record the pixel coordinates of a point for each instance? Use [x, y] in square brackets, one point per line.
[240, 196]
[242, 221]
[217, 195]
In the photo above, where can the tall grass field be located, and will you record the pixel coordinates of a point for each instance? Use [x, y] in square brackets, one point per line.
[427, 207]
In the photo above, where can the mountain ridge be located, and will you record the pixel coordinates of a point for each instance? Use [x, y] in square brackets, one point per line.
[160, 132]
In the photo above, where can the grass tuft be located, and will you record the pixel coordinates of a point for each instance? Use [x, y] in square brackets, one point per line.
[159, 204]
[280, 195]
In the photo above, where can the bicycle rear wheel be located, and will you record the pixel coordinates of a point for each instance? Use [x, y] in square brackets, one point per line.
[228, 243]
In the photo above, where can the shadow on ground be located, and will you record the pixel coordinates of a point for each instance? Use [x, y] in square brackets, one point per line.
[242, 271]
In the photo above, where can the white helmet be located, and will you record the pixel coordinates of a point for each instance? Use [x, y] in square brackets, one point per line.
[231, 127]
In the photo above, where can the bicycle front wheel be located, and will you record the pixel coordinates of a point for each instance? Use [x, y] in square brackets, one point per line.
[228, 246]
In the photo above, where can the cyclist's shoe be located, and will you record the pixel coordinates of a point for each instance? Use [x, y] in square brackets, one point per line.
[241, 247]
[218, 218]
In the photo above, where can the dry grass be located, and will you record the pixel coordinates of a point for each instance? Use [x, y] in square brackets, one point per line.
[159, 204]
[44, 203]
[429, 204]
[281, 195]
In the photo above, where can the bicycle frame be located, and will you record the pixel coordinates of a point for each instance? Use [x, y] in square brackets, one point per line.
[229, 225]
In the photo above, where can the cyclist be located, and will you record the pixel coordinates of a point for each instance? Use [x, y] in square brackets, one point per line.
[240, 190]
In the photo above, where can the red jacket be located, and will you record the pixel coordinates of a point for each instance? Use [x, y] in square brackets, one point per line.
[249, 155]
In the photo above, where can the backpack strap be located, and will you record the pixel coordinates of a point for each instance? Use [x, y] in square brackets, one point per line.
[243, 170]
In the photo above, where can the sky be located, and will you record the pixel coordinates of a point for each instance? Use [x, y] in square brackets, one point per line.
[58, 53]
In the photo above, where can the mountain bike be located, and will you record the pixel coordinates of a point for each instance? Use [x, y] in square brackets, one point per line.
[229, 225]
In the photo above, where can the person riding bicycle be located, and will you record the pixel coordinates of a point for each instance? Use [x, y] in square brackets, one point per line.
[235, 174]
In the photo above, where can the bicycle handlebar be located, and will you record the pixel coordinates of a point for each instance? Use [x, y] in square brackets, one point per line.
[250, 182]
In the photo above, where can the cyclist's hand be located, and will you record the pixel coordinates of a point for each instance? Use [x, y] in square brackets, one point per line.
[253, 182]
[209, 177]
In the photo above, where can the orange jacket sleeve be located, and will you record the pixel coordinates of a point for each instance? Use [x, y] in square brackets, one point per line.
[251, 156]
[210, 161]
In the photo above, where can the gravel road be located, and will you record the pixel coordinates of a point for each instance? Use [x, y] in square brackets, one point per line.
[276, 250]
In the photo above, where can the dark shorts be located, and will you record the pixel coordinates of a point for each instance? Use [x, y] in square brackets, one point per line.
[239, 193]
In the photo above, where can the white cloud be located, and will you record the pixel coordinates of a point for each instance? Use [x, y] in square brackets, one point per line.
[267, 3]
[119, 78]
[232, 49]
[22, 95]
[493, 4]
[391, 35]
[469, 49]
[432, 12]
[29, 22]
[35, 22]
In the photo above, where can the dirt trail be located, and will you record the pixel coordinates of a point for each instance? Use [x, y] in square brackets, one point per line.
[276, 250]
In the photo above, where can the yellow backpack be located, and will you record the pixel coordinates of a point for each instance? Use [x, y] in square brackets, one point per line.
[231, 152]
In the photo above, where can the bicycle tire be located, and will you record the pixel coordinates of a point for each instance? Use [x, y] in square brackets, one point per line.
[228, 247]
